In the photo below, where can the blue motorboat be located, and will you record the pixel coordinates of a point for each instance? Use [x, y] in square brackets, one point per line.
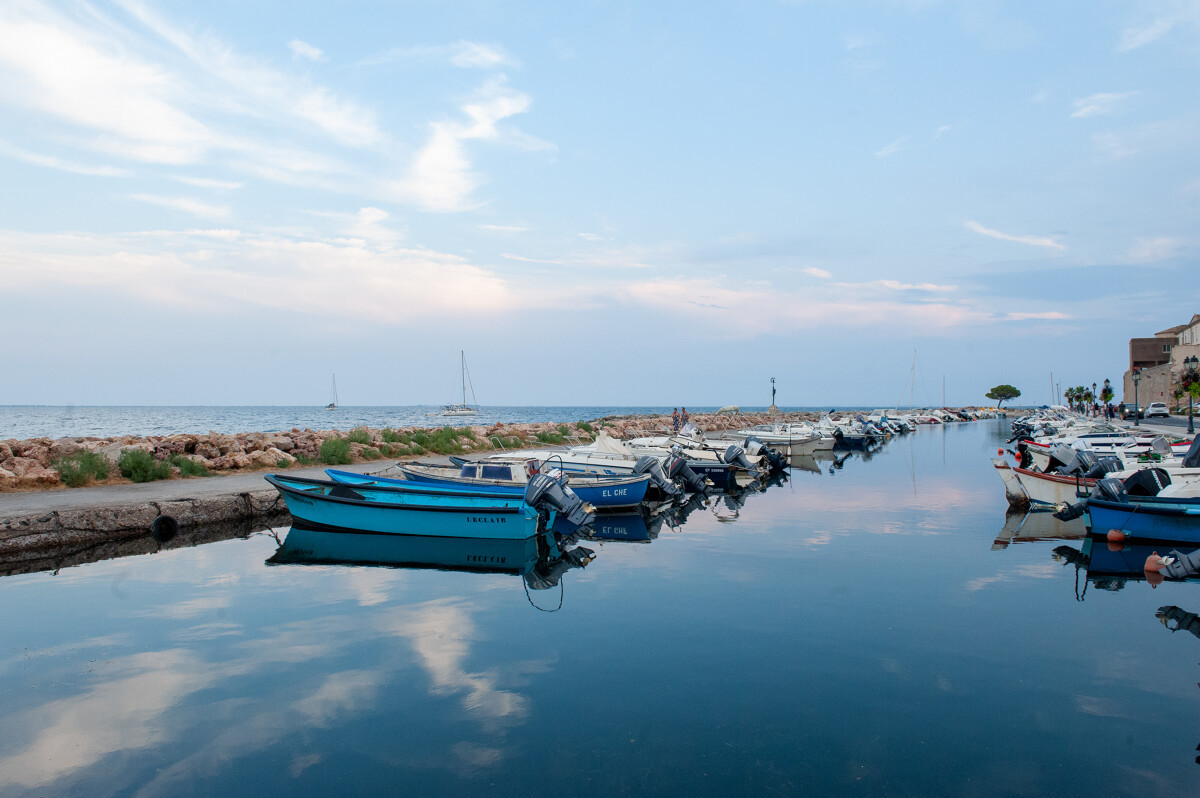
[388, 509]
[506, 479]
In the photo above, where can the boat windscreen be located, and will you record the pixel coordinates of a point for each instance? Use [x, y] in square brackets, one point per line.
[468, 471]
[495, 472]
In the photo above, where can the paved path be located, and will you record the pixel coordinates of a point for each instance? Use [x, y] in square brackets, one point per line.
[36, 502]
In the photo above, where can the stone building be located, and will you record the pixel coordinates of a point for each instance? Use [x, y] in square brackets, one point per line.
[1160, 360]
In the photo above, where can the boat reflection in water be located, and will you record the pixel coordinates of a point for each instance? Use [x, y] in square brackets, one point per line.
[1028, 527]
[540, 560]
[1111, 565]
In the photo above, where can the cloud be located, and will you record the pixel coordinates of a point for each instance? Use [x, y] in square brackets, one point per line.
[1164, 16]
[185, 204]
[816, 272]
[441, 177]
[462, 54]
[502, 228]
[1036, 241]
[1099, 104]
[52, 67]
[1052, 315]
[207, 182]
[325, 278]
[937, 134]
[305, 50]
[590, 237]
[893, 148]
[62, 164]
[1148, 250]
[897, 286]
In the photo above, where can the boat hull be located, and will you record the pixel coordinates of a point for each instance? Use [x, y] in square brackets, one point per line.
[602, 493]
[384, 511]
[1148, 519]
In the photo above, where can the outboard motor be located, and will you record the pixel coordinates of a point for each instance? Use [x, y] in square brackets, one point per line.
[1147, 482]
[1024, 458]
[736, 455]
[1105, 465]
[755, 446]
[1062, 460]
[1111, 489]
[1086, 460]
[543, 490]
[1069, 512]
[650, 465]
[678, 467]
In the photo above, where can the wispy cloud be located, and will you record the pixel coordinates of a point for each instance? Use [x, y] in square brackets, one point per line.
[1099, 104]
[185, 204]
[590, 237]
[208, 182]
[893, 148]
[462, 54]
[1161, 18]
[1036, 241]
[1148, 250]
[441, 176]
[62, 164]
[504, 228]
[814, 271]
[301, 49]
[1051, 315]
[941, 131]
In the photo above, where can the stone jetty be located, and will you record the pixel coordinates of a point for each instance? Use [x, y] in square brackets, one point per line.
[40, 517]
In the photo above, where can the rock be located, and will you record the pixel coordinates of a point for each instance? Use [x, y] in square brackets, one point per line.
[280, 442]
[60, 448]
[207, 450]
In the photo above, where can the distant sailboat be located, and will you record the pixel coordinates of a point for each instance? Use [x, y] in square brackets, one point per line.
[333, 405]
[463, 409]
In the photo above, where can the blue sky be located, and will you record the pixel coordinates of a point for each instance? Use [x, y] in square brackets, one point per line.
[602, 203]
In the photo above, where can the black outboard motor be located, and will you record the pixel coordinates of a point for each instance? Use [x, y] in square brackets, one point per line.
[1147, 482]
[678, 467]
[775, 458]
[1024, 458]
[1105, 465]
[650, 465]
[1110, 489]
[544, 490]
[736, 455]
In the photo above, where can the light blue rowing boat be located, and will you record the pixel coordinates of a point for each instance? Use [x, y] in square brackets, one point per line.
[383, 509]
[502, 480]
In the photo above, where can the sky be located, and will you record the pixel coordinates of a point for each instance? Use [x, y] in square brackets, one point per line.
[600, 203]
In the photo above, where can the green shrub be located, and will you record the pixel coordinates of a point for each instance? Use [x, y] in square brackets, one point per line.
[188, 467]
[390, 435]
[563, 429]
[141, 466]
[359, 435]
[81, 468]
[305, 460]
[335, 451]
[586, 427]
[550, 437]
[441, 441]
[283, 463]
[371, 454]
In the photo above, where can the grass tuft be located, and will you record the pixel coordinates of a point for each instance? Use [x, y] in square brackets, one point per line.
[335, 451]
[141, 466]
[359, 435]
[188, 467]
[81, 468]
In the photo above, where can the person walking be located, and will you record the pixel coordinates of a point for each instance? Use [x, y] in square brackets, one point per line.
[684, 417]
[674, 419]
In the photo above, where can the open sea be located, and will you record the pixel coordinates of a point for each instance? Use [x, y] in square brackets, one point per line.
[44, 421]
[877, 626]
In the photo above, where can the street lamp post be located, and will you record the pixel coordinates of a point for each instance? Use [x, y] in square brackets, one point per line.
[1137, 408]
[1095, 397]
[1190, 364]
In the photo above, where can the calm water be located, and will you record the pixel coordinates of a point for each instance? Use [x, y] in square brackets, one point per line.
[860, 632]
[37, 421]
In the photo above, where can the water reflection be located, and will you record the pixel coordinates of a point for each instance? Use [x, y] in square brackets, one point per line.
[1029, 527]
[540, 560]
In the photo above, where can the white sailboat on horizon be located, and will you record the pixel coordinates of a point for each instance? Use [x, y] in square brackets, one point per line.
[333, 405]
[463, 409]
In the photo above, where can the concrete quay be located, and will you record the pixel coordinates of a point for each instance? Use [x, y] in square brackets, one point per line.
[73, 517]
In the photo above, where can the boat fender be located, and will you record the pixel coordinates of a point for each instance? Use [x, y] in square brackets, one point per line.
[164, 528]
[1116, 536]
[1154, 563]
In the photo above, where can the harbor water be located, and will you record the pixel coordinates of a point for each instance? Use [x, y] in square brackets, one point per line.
[867, 627]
